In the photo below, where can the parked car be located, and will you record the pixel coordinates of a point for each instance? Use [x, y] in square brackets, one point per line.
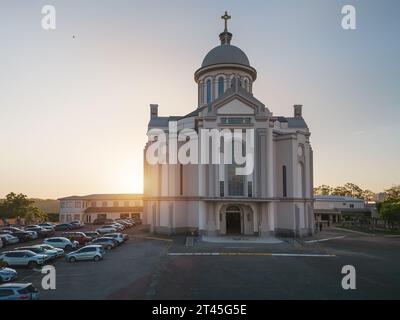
[8, 238]
[62, 243]
[11, 229]
[63, 227]
[121, 238]
[51, 254]
[102, 221]
[59, 252]
[125, 223]
[115, 225]
[90, 252]
[47, 225]
[22, 236]
[77, 236]
[92, 234]
[42, 232]
[131, 221]
[34, 235]
[106, 229]
[105, 242]
[23, 258]
[120, 226]
[77, 224]
[7, 274]
[18, 291]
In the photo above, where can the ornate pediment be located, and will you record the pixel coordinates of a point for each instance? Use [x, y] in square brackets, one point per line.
[236, 106]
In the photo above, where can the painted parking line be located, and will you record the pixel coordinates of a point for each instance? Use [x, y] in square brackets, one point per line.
[261, 254]
[322, 240]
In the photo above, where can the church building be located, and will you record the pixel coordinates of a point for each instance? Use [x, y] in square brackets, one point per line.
[276, 198]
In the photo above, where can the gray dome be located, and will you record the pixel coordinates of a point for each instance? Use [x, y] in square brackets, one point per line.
[225, 53]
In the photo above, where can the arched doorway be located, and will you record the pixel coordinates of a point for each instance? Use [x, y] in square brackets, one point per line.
[233, 220]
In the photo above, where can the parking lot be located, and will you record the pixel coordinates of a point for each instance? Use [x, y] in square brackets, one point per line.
[151, 267]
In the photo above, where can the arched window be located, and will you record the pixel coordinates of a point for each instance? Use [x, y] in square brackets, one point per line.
[246, 84]
[208, 91]
[221, 86]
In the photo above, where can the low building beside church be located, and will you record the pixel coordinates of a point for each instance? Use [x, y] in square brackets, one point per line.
[330, 209]
[101, 206]
[275, 198]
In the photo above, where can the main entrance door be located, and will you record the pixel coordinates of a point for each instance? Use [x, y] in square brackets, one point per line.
[233, 220]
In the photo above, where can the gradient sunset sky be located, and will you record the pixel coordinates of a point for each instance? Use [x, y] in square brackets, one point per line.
[74, 102]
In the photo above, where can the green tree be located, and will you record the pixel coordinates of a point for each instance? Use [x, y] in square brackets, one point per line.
[389, 210]
[393, 193]
[353, 190]
[323, 190]
[368, 195]
[18, 205]
[340, 191]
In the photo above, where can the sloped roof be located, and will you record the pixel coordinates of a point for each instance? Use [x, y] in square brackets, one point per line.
[336, 198]
[119, 196]
[113, 209]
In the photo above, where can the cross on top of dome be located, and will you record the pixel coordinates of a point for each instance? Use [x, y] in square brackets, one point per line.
[226, 17]
[225, 36]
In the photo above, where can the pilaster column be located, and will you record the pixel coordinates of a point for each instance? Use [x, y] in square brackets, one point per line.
[211, 220]
[270, 164]
[264, 228]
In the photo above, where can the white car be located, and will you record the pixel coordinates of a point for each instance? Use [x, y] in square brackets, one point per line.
[18, 291]
[115, 225]
[59, 252]
[121, 238]
[106, 229]
[8, 239]
[7, 274]
[62, 243]
[33, 234]
[48, 226]
[119, 226]
[51, 254]
[23, 258]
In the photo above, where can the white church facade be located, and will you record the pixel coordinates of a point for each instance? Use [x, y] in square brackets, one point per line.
[276, 198]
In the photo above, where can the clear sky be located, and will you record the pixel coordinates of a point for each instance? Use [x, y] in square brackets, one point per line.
[74, 102]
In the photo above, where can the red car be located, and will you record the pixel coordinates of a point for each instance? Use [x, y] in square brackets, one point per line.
[77, 236]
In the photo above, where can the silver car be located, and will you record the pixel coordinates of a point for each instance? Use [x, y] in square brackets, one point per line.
[18, 291]
[7, 274]
[23, 258]
[120, 237]
[59, 252]
[33, 234]
[61, 243]
[8, 239]
[52, 254]
[90, 252]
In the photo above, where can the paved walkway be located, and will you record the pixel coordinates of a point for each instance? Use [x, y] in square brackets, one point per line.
[240, 239]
